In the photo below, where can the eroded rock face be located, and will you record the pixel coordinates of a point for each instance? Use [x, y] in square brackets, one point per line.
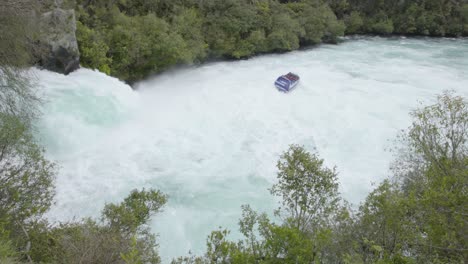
[58, 46]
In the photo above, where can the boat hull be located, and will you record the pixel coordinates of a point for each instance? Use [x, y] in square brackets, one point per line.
[287, 83]
[286, 89]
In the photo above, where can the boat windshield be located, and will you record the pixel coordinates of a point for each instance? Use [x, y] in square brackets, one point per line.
[292, 77]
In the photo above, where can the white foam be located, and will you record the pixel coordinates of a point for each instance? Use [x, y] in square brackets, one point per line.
[210, 136]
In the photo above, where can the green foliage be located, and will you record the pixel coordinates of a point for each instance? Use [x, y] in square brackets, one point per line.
[26, 177]
[93, 49]
[189, 25]
[228, 28]
[132, 256]
[464, 19]
[440, 132]
[432, 170]
[419, 218]
[219, 250]
[333, 28]
[423, 17]
[275, 244]
[288, 245]
[354, 23]
[383, 227]
[191, 259]
[7, 252]
[88, 241]
[284, 33]
[310, 196]
[121, 237]
[383, 27]
[134, 39]
[308, 189]
[135, 210]
[318, 22]
[341, 238]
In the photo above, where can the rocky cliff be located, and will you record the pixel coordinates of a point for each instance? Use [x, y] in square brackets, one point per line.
[57, 45]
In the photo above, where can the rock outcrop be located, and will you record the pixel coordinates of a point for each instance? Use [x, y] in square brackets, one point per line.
[58, 47]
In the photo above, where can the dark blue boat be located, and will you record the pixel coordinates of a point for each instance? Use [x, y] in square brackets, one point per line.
[286, 83]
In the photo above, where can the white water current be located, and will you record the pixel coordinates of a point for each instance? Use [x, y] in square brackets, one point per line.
[210, 136]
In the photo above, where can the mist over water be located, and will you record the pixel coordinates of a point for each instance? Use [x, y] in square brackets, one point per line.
[210, 136]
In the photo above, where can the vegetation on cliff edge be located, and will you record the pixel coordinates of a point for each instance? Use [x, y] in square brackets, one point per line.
[134, 39]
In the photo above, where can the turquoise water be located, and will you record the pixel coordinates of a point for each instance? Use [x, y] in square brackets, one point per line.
[210, 136]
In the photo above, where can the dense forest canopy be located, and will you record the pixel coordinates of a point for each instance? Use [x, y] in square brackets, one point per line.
[133, 39]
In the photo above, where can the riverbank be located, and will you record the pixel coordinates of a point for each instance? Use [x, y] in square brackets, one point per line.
[132, 41]
[137, 40]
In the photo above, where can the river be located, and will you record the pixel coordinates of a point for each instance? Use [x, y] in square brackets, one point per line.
[210, 136]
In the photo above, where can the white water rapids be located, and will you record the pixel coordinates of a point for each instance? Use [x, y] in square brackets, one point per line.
[210, 136]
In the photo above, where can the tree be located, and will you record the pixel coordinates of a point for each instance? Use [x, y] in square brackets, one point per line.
[308, 189]
[275, 243]
[122, 236]
[440, 131]
[310, 201]
[188, 23]
[26, 177]
[26, 180]
[383, 226]
[134, 211]
[437, 140]
[464, 18]
[7, 252]
[309, 193]
[353, 23]
[93, 49]
[431, 168]
[17, 96]
[318, 22]
[284, 33]
[228, 24]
